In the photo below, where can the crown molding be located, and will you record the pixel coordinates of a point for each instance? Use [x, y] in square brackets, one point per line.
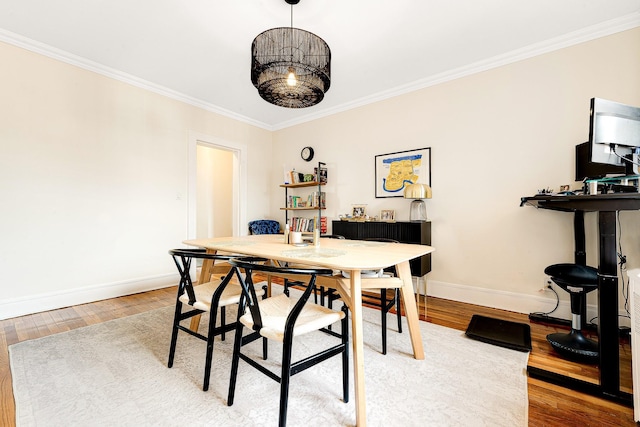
[78, 61]
[593, 32]
[603, 29]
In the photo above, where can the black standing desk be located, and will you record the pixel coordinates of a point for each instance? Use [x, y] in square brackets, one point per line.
[606, 205]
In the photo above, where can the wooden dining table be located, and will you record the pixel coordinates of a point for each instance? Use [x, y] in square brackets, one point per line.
[352, 256]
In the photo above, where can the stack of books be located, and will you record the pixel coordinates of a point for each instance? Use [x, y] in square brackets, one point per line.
[305, 225]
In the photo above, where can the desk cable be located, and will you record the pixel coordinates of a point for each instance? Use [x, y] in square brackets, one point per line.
[622, 262]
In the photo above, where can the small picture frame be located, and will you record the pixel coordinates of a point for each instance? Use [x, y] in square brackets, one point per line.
[359, 211]
[387, 215]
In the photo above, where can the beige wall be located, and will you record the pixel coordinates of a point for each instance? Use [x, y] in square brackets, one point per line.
[495, 136]
[93, 172]
[93, 181]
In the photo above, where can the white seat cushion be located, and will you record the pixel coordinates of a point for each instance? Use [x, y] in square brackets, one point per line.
[274, 312]
[365, 273]
[204, 292]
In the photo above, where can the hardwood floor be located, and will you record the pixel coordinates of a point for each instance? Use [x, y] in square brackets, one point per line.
[549, 405]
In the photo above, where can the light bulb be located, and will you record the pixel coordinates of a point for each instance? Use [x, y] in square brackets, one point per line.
[291, 78]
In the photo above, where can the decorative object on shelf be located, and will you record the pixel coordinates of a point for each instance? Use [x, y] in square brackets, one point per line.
[387, 215]
[418, 192]
[290, 67]
[394, 171]
[307, 154]
[359, 212]
[323, 174]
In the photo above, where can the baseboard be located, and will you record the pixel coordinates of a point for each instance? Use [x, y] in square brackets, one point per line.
[511, 301]
[15, 307]
[503, 300]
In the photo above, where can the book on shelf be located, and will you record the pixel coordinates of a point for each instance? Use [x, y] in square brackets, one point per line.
[295, 202]
[313, 200]
[305, 225]
[317, 199]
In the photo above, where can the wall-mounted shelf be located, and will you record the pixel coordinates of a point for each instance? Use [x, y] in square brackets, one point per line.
[303, 184]
[316, 206]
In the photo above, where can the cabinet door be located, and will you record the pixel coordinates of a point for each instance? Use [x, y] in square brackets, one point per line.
[405, 232]
[345, 228]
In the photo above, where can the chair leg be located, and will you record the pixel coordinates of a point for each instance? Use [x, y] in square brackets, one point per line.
[398, 311]
[328, 293]
[345, 355]
[383, 311]
[285, 379]
[210, 341]
[237, 343]
[265, 341]
[174, 333]
[223, 322]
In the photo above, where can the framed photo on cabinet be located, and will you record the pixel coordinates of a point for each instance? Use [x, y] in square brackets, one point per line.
[387, 215]
[359, 211]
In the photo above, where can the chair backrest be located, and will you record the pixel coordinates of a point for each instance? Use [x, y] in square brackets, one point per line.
[264, 226]
[381, 239]
[251, 264]
[182, 258]
[384, 240]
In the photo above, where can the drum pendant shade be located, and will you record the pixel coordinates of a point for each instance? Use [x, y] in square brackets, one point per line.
[290, 67]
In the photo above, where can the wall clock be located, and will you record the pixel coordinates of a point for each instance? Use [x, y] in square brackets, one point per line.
[307, 154]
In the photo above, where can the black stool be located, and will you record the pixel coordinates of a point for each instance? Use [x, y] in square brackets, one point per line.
[578, 280]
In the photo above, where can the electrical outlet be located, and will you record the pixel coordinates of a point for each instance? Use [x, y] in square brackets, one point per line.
[546, 285]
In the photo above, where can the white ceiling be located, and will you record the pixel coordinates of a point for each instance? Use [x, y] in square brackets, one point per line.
[199, 50]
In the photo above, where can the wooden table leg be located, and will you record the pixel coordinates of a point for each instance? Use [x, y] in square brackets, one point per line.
[410, 309]
[358, 347]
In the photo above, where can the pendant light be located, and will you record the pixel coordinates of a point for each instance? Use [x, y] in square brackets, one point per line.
[290, 67]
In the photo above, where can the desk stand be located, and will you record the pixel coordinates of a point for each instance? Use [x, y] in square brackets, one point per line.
[606, 207]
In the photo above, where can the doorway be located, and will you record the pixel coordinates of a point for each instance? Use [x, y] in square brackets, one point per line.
[216, 187]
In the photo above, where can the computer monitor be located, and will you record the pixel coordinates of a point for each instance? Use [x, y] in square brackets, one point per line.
[614, 132]
[586, 169]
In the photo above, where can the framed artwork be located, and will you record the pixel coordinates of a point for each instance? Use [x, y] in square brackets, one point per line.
[396, 170]
[387, 215]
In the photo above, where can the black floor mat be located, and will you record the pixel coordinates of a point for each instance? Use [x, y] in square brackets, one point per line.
[503, 333]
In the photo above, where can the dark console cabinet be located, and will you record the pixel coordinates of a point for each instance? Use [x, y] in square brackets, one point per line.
[405, 232]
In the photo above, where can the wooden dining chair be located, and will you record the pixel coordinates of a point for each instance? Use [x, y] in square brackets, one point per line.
[281, 318]
[324, 292]
[382, 280]
[205, 297]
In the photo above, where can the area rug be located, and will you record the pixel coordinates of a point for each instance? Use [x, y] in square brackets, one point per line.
[115, 374]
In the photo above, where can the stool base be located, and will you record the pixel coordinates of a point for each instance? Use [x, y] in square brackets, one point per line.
[574, 345]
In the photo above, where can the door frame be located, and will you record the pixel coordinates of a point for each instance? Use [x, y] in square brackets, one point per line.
[239, 184]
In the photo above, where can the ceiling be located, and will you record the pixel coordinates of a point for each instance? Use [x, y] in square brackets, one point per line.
[199, 50]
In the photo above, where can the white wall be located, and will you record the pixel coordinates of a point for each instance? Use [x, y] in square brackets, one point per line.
[93, 182]
[495, 136]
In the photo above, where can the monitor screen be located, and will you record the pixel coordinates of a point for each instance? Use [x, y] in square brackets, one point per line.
[614, 131]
